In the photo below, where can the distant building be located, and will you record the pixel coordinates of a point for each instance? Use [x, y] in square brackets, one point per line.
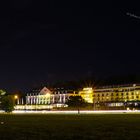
[117, 95]
[110, 96]
[46, 99]
[45, 96]
[87, 94]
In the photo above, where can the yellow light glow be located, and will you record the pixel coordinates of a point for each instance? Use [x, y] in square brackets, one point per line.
[87, 94]
[16, 97]
[89, 88]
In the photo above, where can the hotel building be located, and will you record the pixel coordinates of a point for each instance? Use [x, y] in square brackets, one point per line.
[45, 99]
[110, 96]
[117, 95]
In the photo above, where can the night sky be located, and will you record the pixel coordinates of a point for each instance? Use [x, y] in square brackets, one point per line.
[66, 40]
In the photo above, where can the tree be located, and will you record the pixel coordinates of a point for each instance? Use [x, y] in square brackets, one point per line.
[76, 101]
[7, 103]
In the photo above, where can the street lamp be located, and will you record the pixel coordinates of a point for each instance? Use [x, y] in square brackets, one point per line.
[16, 97]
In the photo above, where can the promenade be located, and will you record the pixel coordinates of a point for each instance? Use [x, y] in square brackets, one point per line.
[76, 112]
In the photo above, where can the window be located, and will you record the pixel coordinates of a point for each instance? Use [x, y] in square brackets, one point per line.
[122, 94]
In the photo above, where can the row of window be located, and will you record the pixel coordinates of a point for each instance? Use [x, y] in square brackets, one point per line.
[45, 102]
[132, 97]
[117, 94]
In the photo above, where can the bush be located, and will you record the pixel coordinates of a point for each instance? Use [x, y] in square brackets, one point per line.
[7, 103]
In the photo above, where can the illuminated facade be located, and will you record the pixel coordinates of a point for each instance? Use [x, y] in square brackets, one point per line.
[117, 95]
[87, 94]
[48, 99]
[111, 96]
[45, 99]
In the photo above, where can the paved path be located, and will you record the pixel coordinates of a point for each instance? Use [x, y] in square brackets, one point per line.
[81, 112]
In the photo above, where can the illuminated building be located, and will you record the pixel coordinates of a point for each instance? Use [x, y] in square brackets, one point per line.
[117, 95]
[46, 99]
[87, 94]
[110, 96]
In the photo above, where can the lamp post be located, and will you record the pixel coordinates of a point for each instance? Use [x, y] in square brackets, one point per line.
[94, 103]
[16, 98]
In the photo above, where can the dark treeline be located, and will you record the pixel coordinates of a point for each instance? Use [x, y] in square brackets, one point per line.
[96, 82]
[121, 79]
[91, 81]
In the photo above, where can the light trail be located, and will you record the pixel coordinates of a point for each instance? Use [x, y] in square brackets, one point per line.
[76, 112]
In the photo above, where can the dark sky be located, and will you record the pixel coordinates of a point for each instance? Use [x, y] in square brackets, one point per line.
[65, 40]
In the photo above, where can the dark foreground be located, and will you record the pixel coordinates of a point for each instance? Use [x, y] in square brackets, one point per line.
[70, 127]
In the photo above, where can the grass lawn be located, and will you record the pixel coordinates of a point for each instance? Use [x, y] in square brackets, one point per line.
[70, 127]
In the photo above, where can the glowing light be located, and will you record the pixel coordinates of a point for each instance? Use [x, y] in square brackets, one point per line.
[87, 94]
[89, 88]
[75, 112]
[1, 122]
[132, 15]
[16, 97]
[128, 108]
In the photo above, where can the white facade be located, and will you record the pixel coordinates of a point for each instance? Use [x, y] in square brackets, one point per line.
[46, 97]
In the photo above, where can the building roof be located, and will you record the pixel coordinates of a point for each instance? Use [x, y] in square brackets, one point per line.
[44, 91]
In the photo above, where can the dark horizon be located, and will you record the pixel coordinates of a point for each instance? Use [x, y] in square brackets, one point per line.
[63, 41]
